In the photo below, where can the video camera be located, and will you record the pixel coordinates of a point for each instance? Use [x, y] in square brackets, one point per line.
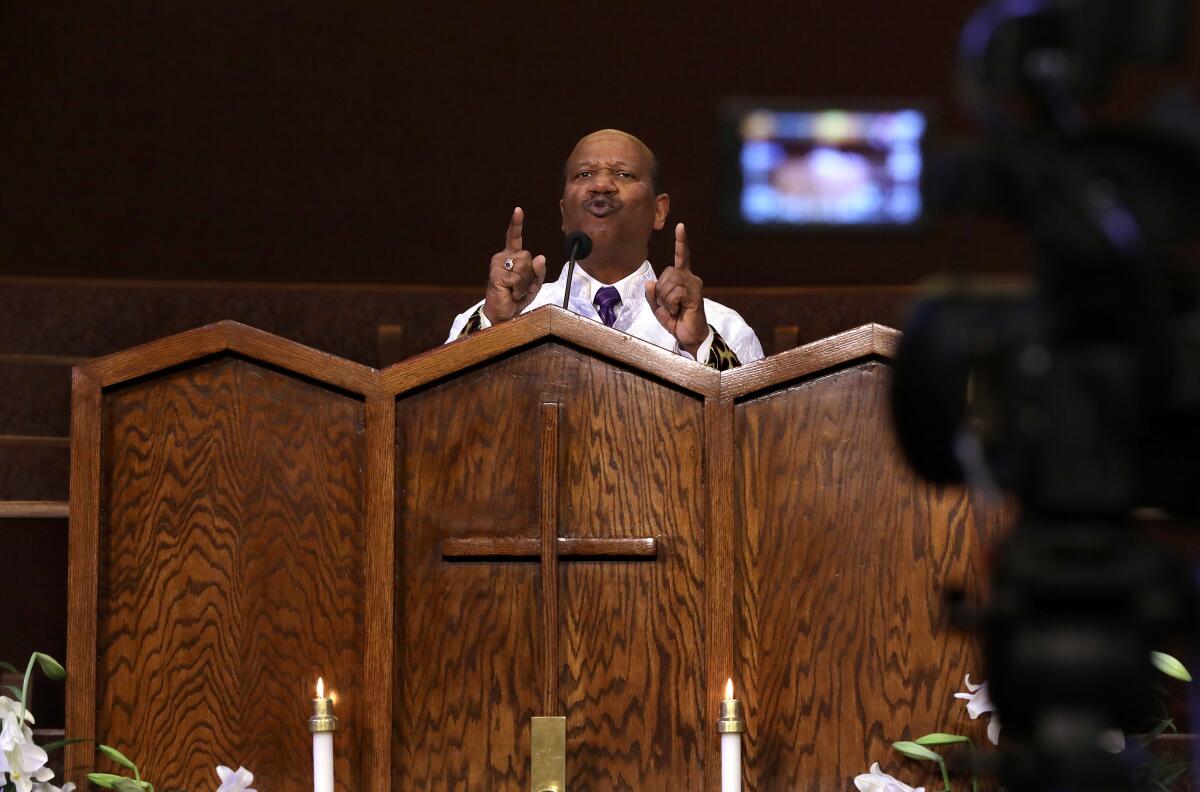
[1081, 396]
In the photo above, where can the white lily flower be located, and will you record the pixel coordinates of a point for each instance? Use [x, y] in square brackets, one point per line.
[1112, 740]
[48, 787]
[11, 729]
[232, 781]
[878, 781]
[979, 702]
[20, 758]
[33, 770]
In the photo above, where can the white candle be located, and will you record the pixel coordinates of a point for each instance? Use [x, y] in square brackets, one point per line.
[322, 724]
[731, 763]
[731, 726]
[323, 762]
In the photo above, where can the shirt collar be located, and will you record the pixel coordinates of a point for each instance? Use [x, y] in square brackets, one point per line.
[584, 286]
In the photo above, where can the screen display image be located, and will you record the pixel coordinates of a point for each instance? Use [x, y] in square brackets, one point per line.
[830, 167]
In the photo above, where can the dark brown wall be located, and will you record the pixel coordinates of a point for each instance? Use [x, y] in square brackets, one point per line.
[387, 142]
[35, 618]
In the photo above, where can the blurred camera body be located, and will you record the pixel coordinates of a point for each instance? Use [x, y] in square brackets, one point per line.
[1080, 395]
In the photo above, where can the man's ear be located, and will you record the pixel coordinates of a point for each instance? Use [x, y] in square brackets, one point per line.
[563, 214]
[662, 207]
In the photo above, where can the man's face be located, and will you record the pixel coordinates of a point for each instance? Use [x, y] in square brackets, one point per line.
[609, 193]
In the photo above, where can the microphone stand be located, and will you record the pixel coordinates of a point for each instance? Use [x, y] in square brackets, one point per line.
[580, 246]
[570, 272]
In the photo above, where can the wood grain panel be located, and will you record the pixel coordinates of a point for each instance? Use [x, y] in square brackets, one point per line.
[548, 567]
[520, 547]
[531, 328]
[378, 612]
[869, 340]
[233, 337]
[230, 572]
[720, 538]
[35, 509]
[630, 465]
[243, 511]
[467, 465]
[840, 635]
[83, 570]
[633, 465]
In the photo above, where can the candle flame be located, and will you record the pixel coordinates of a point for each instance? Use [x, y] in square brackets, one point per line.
[729, 688]
[320, 687]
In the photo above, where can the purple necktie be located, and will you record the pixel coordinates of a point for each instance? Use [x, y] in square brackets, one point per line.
[607, 300]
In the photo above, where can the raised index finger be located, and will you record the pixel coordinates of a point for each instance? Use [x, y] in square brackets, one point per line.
[682, 258]
[516, 228]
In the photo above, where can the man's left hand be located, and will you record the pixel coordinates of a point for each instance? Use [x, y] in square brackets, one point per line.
[676, 300]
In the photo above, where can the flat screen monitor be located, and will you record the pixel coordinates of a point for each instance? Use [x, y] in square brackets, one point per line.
[823, 167]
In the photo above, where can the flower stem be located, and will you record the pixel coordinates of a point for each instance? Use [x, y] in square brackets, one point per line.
[25, 687]
[945, 775]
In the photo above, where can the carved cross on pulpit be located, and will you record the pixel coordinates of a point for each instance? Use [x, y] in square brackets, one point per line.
[549, 548]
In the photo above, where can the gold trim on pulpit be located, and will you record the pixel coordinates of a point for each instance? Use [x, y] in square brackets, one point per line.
[548, 755]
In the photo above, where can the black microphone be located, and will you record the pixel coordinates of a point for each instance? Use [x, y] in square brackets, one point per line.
[577, 246]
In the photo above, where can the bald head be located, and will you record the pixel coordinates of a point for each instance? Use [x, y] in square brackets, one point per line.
[601, 134]
[611, 193]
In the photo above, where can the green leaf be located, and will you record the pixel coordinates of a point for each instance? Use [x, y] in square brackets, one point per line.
[16, 691]
[54, 746]
[9, 667]
[105, 780]
[1160, 727]
[938, 738]
[1170, 666]
[914, 751]
[1171, 773]
[129, 785]
[50, 666]
[118, 757]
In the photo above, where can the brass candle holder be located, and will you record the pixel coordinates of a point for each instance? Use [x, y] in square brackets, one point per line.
[732, 721]
[323, 719]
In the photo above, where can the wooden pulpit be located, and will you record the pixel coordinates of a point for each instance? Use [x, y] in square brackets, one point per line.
[549, 518]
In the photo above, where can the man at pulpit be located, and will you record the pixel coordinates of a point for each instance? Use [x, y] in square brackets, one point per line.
[612, 192]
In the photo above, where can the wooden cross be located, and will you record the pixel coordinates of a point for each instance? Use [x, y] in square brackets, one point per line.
[549, 548]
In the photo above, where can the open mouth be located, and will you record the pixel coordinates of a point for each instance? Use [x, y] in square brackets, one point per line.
[601, 207]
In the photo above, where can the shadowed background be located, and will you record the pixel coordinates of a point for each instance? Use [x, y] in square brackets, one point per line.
[387, 143]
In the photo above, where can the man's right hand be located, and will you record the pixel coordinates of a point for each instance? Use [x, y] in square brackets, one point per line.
[510, 290]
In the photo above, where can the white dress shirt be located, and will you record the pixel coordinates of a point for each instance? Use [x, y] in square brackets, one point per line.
[634, 315]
